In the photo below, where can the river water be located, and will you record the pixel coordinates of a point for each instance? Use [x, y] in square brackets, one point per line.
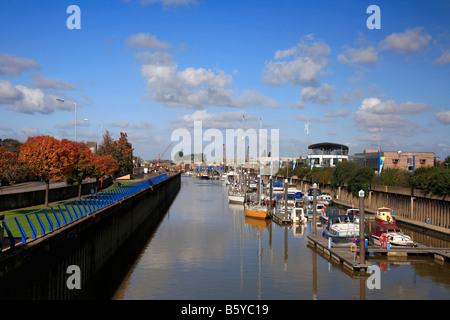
[205, 249]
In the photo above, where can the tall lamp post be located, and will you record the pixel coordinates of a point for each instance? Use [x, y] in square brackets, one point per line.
[362, 240]
[76, 107]
[314, 208]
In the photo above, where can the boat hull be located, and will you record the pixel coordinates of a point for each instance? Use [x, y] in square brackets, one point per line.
[257, 213]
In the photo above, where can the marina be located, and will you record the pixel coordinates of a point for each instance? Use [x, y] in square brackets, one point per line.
[213, 250]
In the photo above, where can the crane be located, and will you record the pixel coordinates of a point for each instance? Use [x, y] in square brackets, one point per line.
[160, 157]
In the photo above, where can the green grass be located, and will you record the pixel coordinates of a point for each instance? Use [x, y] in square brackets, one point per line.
[20, 214]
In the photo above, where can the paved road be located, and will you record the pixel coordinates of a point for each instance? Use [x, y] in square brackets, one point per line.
[33, 186]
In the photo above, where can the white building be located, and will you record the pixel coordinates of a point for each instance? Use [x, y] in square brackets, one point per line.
[327, 154]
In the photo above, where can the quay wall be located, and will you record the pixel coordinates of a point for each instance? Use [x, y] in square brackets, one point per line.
[410, 205]
[103, 245]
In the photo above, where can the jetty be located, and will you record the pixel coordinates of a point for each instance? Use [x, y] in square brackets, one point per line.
[348, 254]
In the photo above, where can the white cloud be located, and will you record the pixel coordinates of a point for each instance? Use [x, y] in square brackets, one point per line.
[443, 116]
[12, 65]
[222, 120]
[338, 113]
[146, 41]
[42, 82]
[373, 113]
[194, 87]
[411, 41]
[304, 117]
[143, 125]
[9, 93]
[31, 132]
[359, 56]
[445, 58]
[324, 94]
[302, 64]
[23, 99]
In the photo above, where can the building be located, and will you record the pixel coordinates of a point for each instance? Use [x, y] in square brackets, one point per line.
[394, 159]
[92, 146]
[327, 154]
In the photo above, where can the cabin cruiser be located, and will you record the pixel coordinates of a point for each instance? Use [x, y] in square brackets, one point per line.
[341, 229]
[277, 186]
[387, 231]
[325, 198]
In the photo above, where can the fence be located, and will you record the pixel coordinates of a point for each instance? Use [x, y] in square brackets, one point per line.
[38, 223]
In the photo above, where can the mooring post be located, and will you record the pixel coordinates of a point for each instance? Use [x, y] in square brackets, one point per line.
[362, 242]
[314, 208]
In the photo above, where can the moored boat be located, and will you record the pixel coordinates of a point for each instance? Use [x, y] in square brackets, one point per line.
[341, 229]
[256, 211]
[387, 231]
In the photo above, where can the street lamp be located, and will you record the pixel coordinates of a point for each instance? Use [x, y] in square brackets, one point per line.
[101, 125]
[314, 207]
[76, 107]
[362, 240]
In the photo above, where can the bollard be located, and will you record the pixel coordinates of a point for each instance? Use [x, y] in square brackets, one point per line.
[329, 243]
[388, 246]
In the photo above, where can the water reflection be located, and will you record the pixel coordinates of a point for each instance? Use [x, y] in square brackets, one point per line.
[206, 248]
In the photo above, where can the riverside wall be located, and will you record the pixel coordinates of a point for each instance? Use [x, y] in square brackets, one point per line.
[102, 245]
[408, 204]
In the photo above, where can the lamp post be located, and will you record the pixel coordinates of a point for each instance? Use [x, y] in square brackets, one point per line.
[101, 126]
[76, 107]
[314, 207]
[362, 240]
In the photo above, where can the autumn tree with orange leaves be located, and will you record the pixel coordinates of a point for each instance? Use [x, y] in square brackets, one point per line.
[48, 158]
[104, 165]
[83, 166]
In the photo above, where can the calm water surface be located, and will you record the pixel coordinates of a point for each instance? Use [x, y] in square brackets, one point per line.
[205, 249]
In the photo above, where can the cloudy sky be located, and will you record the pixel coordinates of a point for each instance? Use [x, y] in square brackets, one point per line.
[149, 67]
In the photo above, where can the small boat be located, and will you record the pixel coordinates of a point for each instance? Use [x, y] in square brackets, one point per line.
[384, 215]
[256, 211]
[386, 230]
[325, 198]
[204, 176]
[236, 195]
[341, 229]
[278, 186]
[393, 236]
[298, 215]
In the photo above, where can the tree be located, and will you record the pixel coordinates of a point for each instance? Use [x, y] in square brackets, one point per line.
[446, 163]
[48, 158]
[104, 165]
[11, 169]
[83, 162]
[360, 180]
[121, 150]
[342, 172]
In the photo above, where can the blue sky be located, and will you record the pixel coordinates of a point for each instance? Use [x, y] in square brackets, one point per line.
[150, 67]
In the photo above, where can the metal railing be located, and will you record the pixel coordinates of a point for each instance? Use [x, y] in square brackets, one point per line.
[38, 223]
